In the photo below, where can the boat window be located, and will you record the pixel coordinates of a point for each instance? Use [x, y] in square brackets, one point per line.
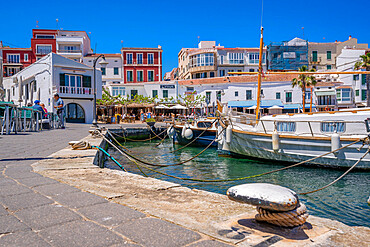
[331, 127]
[285, 126]
[204, 124]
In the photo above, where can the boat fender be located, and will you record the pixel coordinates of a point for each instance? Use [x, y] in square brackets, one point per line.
[335, 141]
[264, 195]
[188, 134]
[275, 140]
[228, 134]
[171, 132]
[183, 131]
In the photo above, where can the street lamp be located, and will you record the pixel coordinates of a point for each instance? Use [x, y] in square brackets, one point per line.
[102, 63]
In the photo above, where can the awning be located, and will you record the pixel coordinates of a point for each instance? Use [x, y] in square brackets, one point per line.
[325, 93]
[161, 107]
[292, 106]
[275, 107]
[250, 103]
[178, 107]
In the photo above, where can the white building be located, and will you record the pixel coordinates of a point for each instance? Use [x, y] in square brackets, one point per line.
[53, 73]
[112, 73]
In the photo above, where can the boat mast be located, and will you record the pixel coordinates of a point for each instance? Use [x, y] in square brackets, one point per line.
[259, 76]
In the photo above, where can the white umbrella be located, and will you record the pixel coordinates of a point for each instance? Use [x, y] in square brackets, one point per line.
[161, 107]
[178, 107]
[252, 107]
[275, 107]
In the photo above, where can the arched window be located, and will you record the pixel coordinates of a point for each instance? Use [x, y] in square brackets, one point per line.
[75, 113]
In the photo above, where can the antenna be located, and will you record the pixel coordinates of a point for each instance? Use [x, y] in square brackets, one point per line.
[57, 21]
[121, 43]
[198, 38]
[303, 32]
[37, 24]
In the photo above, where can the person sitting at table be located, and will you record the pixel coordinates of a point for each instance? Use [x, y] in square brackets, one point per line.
[29, 105]
[45, 110]
[37, 106]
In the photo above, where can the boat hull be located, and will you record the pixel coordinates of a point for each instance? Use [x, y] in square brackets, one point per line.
[204, 140]
[293, 150]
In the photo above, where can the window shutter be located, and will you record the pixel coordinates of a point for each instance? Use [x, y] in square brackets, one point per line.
[62, 79]
[86, 81]
[363, 79]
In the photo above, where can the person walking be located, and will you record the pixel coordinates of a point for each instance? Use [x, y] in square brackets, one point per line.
[60, 111]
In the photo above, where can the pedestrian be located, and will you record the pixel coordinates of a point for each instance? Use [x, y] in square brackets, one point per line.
[142, 116]
[60, 110]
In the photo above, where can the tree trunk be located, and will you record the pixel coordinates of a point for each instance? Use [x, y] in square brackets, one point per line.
[304, 97]
[368, 87]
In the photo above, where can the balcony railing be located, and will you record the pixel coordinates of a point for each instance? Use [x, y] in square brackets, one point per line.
[75, 90]
[69, 51]
[317, 60]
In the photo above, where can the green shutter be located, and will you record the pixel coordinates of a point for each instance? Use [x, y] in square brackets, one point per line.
[363, 79]
[62, 79]
[314, 56]
[328, 55]
[86, 81]
[363, 95]
[357, 92]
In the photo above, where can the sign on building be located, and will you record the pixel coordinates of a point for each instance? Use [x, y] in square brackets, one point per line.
[289, 55]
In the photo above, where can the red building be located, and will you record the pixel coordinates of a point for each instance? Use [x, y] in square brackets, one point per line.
[15, 59]
[142, 64]
[43, 42]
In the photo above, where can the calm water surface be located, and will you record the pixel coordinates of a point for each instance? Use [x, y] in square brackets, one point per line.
[345, 201]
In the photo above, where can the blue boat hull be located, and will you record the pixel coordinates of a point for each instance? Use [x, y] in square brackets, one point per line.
[204, 140]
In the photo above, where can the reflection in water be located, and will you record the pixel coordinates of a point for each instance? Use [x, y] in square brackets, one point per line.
[345, 201]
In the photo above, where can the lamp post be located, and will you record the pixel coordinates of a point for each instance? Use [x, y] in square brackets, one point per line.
[102, 63]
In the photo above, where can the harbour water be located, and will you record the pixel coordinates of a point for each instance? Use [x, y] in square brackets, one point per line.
[345, 201]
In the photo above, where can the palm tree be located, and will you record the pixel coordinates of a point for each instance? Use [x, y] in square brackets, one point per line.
[365, 63]
[304, 81]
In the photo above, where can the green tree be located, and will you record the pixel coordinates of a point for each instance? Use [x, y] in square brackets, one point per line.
[364, 63]
[303, 81]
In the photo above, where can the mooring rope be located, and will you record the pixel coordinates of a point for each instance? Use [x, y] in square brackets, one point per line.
[111, 157]
[129, 139]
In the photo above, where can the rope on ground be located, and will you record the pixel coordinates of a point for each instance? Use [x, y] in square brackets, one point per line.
[81, 145]
[336, 180]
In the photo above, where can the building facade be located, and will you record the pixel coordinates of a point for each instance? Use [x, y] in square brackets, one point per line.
[52, 74]
[141, 64]
[209, 60]
[15, 59]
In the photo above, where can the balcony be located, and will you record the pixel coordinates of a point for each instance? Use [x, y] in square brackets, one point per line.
[69, 51]
[78, 92]
[315, 61]
[202, 68]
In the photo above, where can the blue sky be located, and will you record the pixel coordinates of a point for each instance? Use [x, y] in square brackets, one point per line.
[177, 24]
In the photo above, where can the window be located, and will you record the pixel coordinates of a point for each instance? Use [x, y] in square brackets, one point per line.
[363, 81]
[43, 49]
[255, 57]
[236, 58]
[308, 95]
[221, 59]
[363, 95]
[190, 89]
[26, 57]
[165, 93]
[288, 97]
[236, 93]
[328, 67]
[261, 91]
[204, 59]
[328, 55]
[222, 72]
[332, 127]
[211, 74]
[154, 93]
[115, 71]
[104, 83]
[248, 94]
[44, 36]
[103, 71]
[118, 91]
[208, 97]
[357, 92]
[13, 58]
[219, 93]
[129, 58]
[129, 76]
[150, 75]
[314, 56]
[344, 94]
[140, 76]
[116, 82]
[139, 58]
[356, 77]
[150, 58]
[251, 70]
[285, 126]
[133, 93]
[278, 95]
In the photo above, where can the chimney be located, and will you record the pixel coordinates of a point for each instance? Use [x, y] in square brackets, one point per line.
[159, 47]
[350, 37]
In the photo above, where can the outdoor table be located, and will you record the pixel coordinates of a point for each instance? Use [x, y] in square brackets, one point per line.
[8, 107]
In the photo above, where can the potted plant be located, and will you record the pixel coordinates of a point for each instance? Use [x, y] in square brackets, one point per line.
[150, 121]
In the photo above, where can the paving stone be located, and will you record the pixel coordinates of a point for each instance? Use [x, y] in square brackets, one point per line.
[55, 189]
[125, 244]
[110, 214]
[19, 173]
[156, 232]
[36, 181]
[23, 239]
[4, 181]
[13, 189]
[47, 215]
[3, 211]
[79, 199]
[79, 233]
[28, 200]
[209, 243]
[9, 223]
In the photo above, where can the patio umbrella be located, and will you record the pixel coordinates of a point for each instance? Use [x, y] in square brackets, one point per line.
[161, 107]
[252, 107]
[178, 107]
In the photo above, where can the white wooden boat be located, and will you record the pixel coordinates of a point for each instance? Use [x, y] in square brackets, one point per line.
[300, 137]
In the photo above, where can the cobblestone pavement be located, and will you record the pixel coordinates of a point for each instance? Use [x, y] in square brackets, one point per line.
[39, 211]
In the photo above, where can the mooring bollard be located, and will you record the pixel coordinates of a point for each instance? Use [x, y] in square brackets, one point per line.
[275, 204]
